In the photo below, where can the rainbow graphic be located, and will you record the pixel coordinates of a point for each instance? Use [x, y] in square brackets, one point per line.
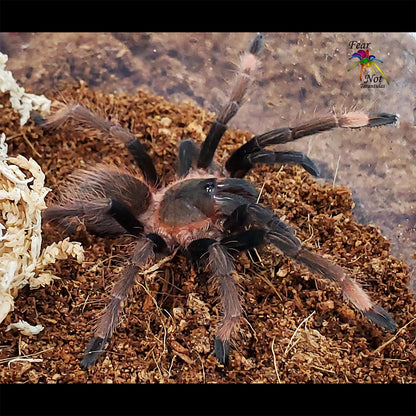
[366, 60]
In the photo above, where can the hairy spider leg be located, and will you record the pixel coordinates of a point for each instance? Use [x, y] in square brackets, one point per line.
[107, 200]
[187, 156]
[248, 65]
[96, 215]
[143, 252]
[246, 156]
[222, 266]
[87, 119]
[275, 231]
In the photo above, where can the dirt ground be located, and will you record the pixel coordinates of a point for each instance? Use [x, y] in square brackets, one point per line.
[297, 329]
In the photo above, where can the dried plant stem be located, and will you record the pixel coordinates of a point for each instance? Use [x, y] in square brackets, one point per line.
[377, 350]
[336, 171]
[25, 357]
[157, 266]
[275, 362]
[261, 191]
[296, 330]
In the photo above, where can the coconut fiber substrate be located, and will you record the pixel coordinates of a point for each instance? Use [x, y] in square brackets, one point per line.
[296, 327]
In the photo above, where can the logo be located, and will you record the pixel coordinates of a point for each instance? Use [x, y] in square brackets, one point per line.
[365, 60]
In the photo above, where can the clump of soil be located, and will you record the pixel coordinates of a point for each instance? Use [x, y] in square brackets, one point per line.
[297, 329]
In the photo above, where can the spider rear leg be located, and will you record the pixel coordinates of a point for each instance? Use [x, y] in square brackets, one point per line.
[87, 119]
[250, 153]
[283, 237]
[223, 271]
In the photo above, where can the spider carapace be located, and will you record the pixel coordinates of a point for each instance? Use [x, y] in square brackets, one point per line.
[209, 211]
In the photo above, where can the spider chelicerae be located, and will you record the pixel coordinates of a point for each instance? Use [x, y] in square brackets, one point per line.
[209, 210]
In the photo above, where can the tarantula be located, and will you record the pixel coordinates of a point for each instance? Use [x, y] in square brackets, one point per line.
[209, 211]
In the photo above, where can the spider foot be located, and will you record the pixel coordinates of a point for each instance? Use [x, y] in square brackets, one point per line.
[94, 349]
[222, 351]
[38, 119]
[380, 119]
[381, 317]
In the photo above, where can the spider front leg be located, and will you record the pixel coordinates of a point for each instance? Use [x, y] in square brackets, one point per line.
[275, 231]
[143, 252]
[253, 152]
[223, 271]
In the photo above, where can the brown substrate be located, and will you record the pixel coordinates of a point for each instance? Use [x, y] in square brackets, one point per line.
[297, 329]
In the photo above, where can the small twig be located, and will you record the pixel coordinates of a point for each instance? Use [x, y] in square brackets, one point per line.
[267, 281]
[296, 330]
[85, 303]
[275, 362]
[31, 146]
[99, 263]
[336, 171]
[164, 337]
[171, 364]
[289, 347]
[156, 266]
[154, 270]
[157, 364]
[261, 191]
[393, 337]
[27, 141]
[31, 360]
[147, 290]
[310, 229]
[203, 370]
[25, 357]
[257, 254]
[322, 369]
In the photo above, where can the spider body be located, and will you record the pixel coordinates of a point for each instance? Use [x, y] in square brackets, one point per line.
[186, 211]
[209, 211]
